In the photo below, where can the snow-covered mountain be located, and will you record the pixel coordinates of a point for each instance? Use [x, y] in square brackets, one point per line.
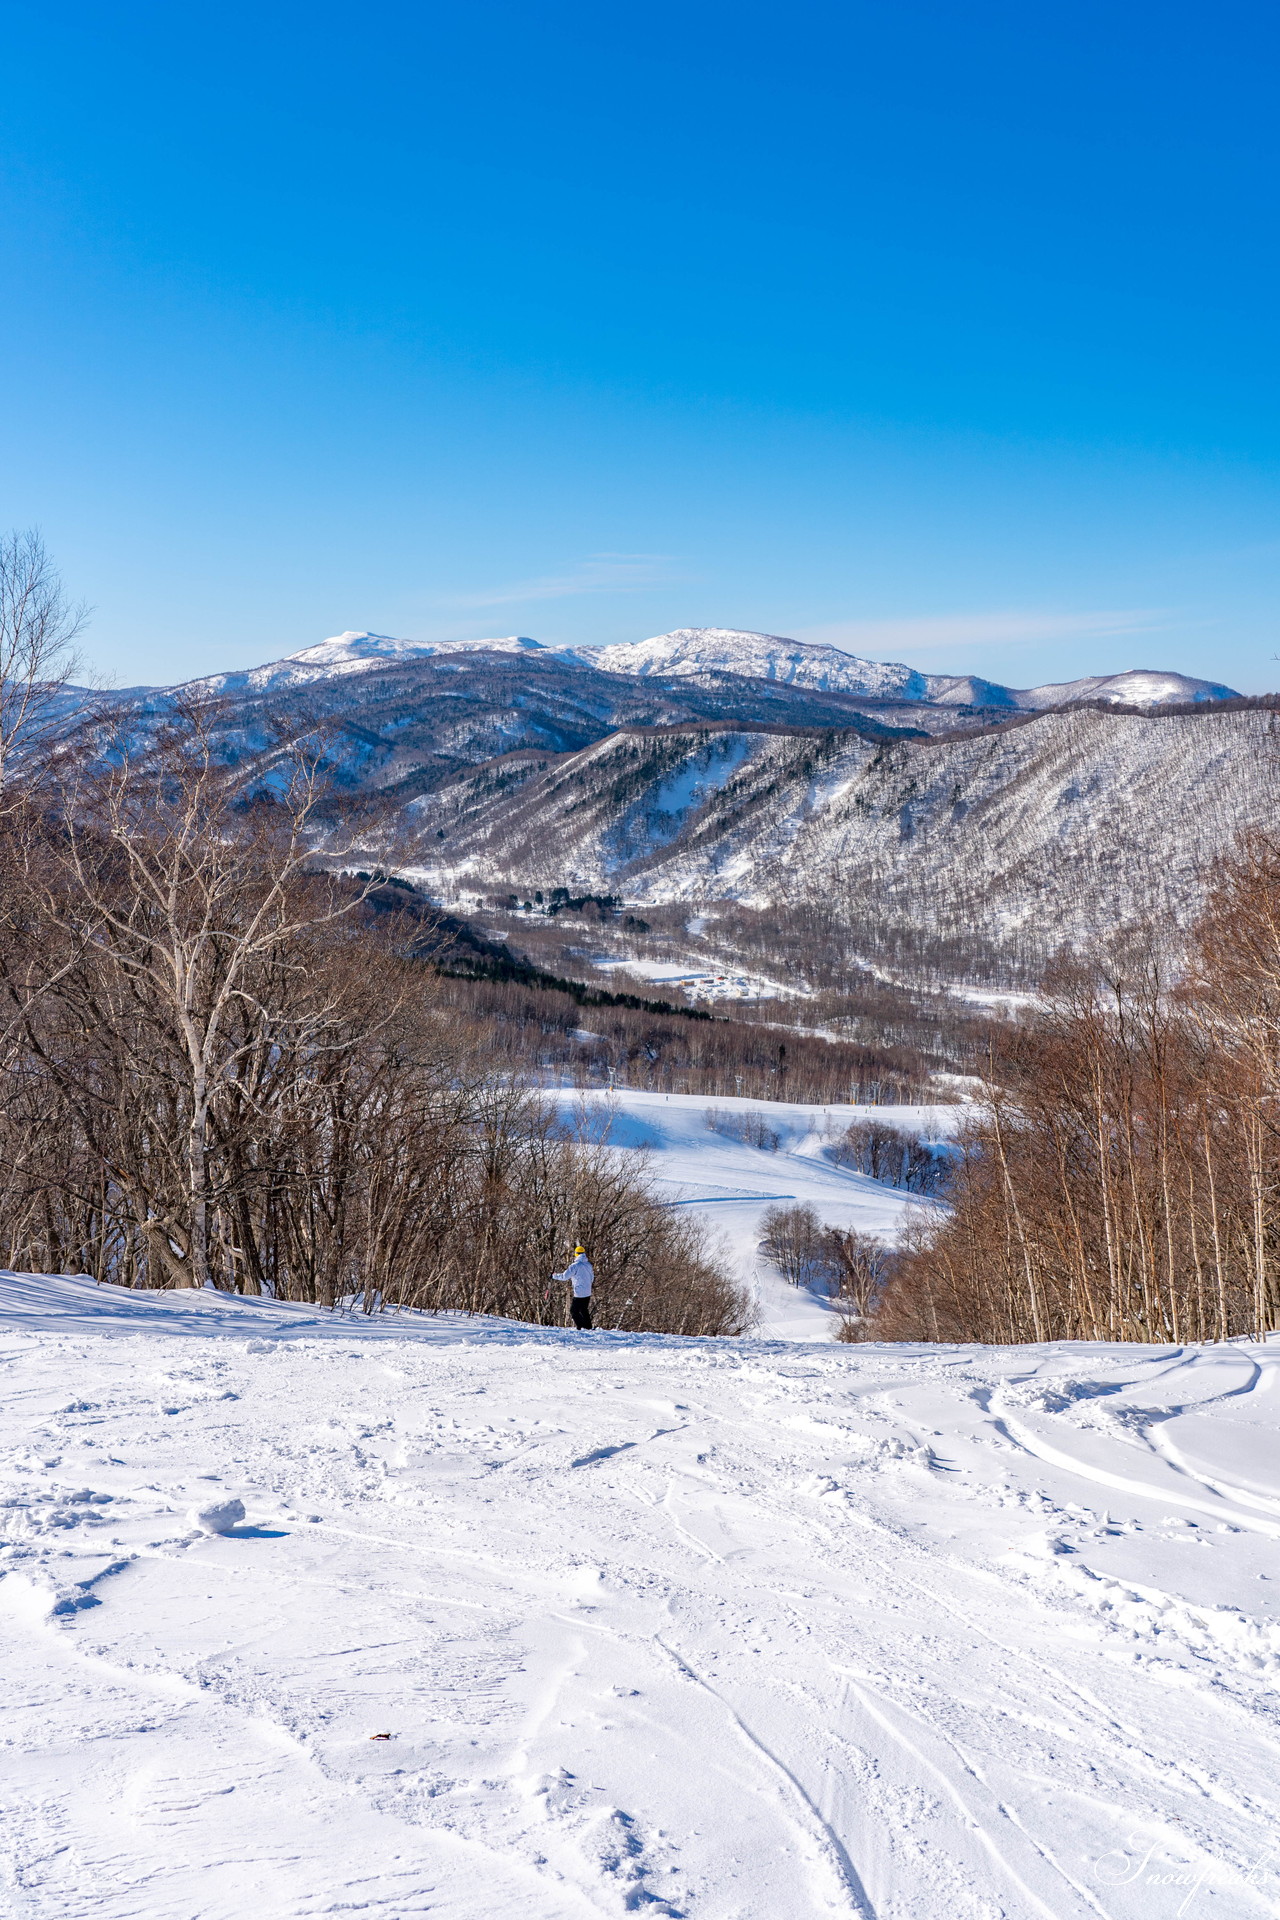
[352, 652]
[717, 654]
[695, 651]
[1061, 828]
[759, 656]
[1138, 687]
[713, 764]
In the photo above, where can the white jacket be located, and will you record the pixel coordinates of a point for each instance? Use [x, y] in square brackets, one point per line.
[580, 1274]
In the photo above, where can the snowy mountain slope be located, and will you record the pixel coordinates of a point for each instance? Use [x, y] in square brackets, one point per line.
[761, 656]
[1138, 687]
[404, 723]
[707, 652]
[349, 653]
[597, 812]
[968, 690]
[1061, 828]
[521, 765]
[719, 1630]
[769, 656]
[692, 1162]
[402, 715]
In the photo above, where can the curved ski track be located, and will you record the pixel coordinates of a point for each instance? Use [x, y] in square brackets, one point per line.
[718, 1630]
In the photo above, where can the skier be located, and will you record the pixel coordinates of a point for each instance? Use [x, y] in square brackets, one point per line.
[580, 1274]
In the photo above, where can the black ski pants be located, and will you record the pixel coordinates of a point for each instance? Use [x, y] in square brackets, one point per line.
[580, 1312]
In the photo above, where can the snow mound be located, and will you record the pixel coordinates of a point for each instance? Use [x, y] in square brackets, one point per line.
[217, 1516]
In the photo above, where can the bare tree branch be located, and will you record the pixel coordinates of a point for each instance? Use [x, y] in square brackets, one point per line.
[38, 628]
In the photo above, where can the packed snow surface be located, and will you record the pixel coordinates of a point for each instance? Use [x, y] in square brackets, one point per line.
[528, 1622]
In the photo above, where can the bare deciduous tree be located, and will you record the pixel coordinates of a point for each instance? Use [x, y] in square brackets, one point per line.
[862, 1265]
[1123, 1180]
[225, 1071]
[193, 901]
[38, 629]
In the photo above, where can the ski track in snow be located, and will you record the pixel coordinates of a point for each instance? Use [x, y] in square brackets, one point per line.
[723, 1630]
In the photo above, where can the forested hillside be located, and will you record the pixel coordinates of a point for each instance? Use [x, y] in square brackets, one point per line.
[1018, 839]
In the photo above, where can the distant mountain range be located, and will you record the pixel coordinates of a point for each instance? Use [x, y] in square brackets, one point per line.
[768, 656]
[704, 652]
[1059, 830]
[914, 811]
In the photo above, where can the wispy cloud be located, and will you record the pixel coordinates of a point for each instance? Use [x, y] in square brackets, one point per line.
[598, 573]
[1009, 627]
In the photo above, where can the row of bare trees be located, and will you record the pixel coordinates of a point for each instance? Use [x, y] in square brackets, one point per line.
[218, 1067]
[545, 1032]
[1124, 1180]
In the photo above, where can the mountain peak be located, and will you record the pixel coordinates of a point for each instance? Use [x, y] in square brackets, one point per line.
[355, 651]
[693, 653]
[1136, 687]
[352, 650]
[688, 651]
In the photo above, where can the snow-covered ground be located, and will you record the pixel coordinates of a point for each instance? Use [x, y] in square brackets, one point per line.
[728, 1184]
[523, 1622]
[698, 983]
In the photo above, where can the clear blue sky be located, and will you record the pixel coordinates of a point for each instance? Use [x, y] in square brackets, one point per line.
[948, 332]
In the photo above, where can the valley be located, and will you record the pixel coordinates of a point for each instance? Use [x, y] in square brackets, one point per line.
[910, 827]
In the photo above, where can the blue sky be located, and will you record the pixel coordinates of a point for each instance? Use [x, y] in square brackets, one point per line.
[945, 332]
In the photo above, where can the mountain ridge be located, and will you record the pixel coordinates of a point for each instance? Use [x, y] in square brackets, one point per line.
[1054, 832]
[696, 652]
[506, 763]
